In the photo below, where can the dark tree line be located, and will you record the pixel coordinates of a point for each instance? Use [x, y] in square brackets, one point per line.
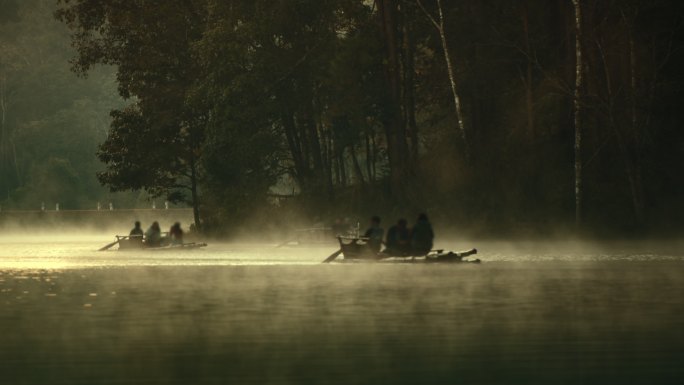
[480, 112]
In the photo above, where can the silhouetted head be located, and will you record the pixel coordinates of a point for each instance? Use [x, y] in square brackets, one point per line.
[402, 223]
[375, 220]
[155, 225]
[422, 217]
[137, 224]
[176, 225]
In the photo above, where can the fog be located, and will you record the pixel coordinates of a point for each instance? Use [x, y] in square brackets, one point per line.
[77, 247]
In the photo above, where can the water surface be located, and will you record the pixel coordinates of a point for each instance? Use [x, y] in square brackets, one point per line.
[257, 314]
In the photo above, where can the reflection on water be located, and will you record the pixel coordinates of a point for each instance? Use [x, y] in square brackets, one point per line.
[270, 316]
[81, 254]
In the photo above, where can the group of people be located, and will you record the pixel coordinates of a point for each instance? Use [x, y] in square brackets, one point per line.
[402, 240]
[153, 237]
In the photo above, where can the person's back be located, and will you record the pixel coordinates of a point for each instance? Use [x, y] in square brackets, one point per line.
[136, 234]
[153, 235]
[136, 231]
[422, 235]
[375, 234]
[176, 234]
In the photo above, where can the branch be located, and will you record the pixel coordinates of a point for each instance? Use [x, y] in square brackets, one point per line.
[428, 15]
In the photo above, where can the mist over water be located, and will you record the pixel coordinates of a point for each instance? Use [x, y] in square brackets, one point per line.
[261, 314]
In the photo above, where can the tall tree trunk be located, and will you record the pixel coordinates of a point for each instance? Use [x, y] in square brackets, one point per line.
[394, 126]
[4, 135]
[439, 25]
[328, 162]
[579, 73]
[3, 129]
[300, 166]
[342, 167]
[636, 181]
[408, 70]
[336, 165]
[374, 148]
[8, 153]
[3, 108]
[314, 143]
[195, 194]
[305, 144]
[529, 99]
[357, 166]
[630, 166]
[369, 157]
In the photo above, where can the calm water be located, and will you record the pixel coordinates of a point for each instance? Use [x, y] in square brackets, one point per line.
[256, 314]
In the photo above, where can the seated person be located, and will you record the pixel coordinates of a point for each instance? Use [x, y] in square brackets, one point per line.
[398, 239]
[374, 234]
[153, 235]
[176, 234]
[422, 236]
[136, 234]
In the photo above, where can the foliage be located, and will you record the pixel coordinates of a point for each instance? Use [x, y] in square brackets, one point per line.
[50, 122]
[154, 144]
[352, 101]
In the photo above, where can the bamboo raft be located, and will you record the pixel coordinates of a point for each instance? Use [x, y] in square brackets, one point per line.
[359, 249]
[128, 242]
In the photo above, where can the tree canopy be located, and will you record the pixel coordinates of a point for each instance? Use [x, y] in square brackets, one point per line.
[460, 108]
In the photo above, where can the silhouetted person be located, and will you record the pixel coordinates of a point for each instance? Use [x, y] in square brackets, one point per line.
[398, 239]
[375, 234]
[176, 234]
[153, 235]
[136, 234]
[422, 235]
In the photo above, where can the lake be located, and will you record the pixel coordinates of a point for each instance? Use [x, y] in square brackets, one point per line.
[531, 313]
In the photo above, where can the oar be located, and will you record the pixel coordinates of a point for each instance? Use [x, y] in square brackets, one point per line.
[333, 256]
[105, 247]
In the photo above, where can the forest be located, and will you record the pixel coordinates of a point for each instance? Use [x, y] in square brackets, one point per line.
[51, 122]
[523, 117]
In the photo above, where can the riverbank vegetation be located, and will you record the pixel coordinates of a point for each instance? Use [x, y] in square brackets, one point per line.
[522, 116]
